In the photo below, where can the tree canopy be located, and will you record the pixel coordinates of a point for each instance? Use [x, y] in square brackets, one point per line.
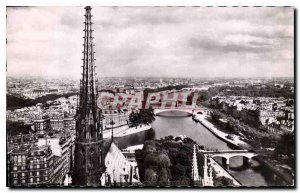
[167, 160]
[16, 102]
[15, 128]
[144, 116]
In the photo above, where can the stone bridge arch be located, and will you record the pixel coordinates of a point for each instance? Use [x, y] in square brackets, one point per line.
[247, 158]
[226, 158]
[189, 111]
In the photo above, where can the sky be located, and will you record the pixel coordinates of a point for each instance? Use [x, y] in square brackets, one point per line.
[197, 42]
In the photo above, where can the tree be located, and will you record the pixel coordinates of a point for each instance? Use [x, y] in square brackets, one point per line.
[150, 134]
[150, 160]
[163, 161]
[163, 178]
[140, 157]
[144, 116]
[214, 90]
[286, 145]
[223, 181]
[188, 140]
[215, 115]
[183, 181]
[166, 161]
[15, 128]
[157, 163]
[177, 138]
[189, 99]
[170, 137]
[268, 141]
[150, 177]
[230, 126]
[149, 146]
[183, 158]
[178, 171]
[133, 119]
[15, 101]
[147, 116]
[203, 96]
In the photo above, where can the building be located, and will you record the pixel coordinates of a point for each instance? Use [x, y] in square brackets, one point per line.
[39, 161]
[42, 123]
[57, 123]
[251, 115]
[118, 169]
[30, 165]
[20, 139]
[115, 119]
[69, 123]
[274, 114]
[62, 147]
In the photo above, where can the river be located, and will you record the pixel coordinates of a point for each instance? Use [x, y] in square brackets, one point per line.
[179, 124]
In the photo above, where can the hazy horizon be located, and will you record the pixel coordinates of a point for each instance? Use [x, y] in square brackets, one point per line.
[158, 42]
[153, 77]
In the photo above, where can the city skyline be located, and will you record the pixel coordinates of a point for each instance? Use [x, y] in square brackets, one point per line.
[150, 132]
[134, 42]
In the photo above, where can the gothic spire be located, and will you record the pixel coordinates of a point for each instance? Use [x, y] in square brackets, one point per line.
[195, 172]
[87, 111]
[89, 164]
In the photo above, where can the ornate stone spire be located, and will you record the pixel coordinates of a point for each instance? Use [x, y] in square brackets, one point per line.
[195, 172]
[207, 173]
[88, 159]
[87, 112]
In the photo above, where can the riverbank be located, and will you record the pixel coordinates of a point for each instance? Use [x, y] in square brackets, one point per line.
[222, 172]
[235, 141]
[133, 130]
[125, 130]
[239, 144]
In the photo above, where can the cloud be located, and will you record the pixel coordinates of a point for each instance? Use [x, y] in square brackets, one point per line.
[153, 41]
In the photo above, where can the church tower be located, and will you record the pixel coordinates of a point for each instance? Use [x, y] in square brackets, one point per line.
[88, 155]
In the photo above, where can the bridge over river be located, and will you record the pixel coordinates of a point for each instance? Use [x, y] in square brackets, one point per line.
[227, 155]
[190, 110]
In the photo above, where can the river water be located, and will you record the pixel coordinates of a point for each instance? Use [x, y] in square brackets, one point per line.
[179, 124]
